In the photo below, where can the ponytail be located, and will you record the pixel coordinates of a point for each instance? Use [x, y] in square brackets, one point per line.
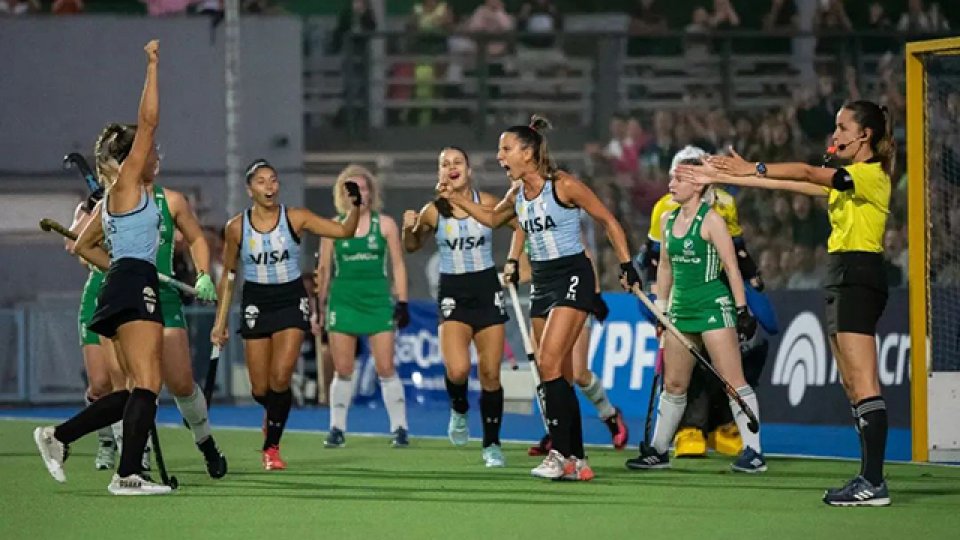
[886, 147]
[880, 122]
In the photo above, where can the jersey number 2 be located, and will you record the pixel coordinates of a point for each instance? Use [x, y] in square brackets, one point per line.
[572, 289]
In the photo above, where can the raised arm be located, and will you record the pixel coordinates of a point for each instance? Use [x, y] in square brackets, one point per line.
[148, 118]
[416, 226]
[715, 231]
[303, 219]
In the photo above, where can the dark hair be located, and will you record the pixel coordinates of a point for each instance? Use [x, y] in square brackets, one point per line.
[255, 166]
[114, 143]
[877, 118]
[444, 208]
[458, 149]
[532, 136]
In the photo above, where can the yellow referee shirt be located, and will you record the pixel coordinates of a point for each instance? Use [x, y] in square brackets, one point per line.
[725, 205]
[858, 215]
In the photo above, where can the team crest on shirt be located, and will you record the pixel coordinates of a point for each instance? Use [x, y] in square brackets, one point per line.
[149, 299]
[305, 308]
[447, 305]
[371, 242]
[250, 314]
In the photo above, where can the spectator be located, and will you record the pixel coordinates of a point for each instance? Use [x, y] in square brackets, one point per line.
[810, 224]
[806, 274]
[878, 20]
[831, 18]
[724, 16]
[356, 19]
[697, 43]
[769, 266]
[67, 7]
[646, 18]
[895, 258]
[915, 20]
[782, 16]
[431, 19]
[540, 17]
[938, 22]
[161, 8]
[491, 17]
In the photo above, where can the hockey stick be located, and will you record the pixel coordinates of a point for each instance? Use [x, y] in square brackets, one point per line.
[753, 424]
[654, 390]
[167, 480]
[531, 353]
[211, 380]
[48, 225]
[318, 347]
[77, 160]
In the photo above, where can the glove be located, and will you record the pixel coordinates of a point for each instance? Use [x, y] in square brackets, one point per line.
[401, 315]
[206, 290]
[746, 324]
[600, 309]
[629, 276]
[511, 271]
[353, 191]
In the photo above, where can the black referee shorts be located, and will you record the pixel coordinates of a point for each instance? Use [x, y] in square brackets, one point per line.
[856, 292]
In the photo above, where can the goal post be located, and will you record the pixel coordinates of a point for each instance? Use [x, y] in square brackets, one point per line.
[933, 170]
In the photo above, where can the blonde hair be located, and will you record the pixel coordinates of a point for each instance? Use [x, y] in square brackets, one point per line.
[112, 147]
[342, 202]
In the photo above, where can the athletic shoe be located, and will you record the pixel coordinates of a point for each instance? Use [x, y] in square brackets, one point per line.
[335, 439]
[493, 456]
[551, 467]
[649, 459]
[618, 429]
[457, 429]
[272, 460]
[136, 485]
[858, 492]
[52, 451]
[577, 470]
[106, 455]
[400, 438]
[542, 448]
[726, 440]
[215, 460]
[749, 461]
[689, 442]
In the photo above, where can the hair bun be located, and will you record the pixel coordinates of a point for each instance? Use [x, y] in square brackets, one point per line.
[540, 123]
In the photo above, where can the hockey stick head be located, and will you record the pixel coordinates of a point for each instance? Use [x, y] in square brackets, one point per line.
[46, 224]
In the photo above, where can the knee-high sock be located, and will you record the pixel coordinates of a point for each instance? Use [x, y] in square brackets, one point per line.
[341, 394]
[278, 410]
[491, 409]
[138, 418]
[576, 426]
[262, 400]
[193, 408]
[598, 396]
[394, 401]
[101, 413]
[750, 398]
[872, 423]
[104, 434]
[558, 413]
[669, 411]
[458, 395]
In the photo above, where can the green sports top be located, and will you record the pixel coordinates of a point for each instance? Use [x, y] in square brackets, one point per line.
[695, 262]
[362, 258]
[167, 229]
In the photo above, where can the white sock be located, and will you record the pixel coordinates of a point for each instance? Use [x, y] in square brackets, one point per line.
[117, 429]
[669, 412]
[750, 398]
[598, 396]
[394, 401]
[341, 394]
[194, 411]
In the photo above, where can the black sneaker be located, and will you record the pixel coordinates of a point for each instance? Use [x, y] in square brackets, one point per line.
[215, 460]
[335, 439]
[749, 461]
[400, 439]
[649, 459]
[858, 492]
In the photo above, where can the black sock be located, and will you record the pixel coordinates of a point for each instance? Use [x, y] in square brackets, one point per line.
[491, 408]
[556, 401]
[576, 427]
[278, 409]
[872, 420]
[138, 417]
[101, 413]
[262, 400]
[458, 396]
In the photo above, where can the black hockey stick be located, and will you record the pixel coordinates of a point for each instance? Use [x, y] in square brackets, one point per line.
[161, 466]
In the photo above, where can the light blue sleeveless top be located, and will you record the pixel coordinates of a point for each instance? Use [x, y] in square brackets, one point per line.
[135, 234]
[465, 245]
[553, 230]
[271, 257]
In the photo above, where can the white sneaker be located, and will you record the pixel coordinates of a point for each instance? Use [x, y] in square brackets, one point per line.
[135, 485]
[551, 467]
[457, 429]
[52, 451]
[106, 456]
[493, 456]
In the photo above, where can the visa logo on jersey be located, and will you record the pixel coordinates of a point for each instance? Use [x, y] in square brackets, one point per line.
[469, 242]
[538, 224]
[269, 257]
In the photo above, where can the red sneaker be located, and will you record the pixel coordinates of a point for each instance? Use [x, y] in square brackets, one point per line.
[542, 448]
[577, 470]
[272, 460]
[618, 430]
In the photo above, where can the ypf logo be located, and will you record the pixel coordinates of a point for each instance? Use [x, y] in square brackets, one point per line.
[802, 357]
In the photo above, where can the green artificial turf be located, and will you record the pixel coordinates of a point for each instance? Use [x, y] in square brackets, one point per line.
[433, 490]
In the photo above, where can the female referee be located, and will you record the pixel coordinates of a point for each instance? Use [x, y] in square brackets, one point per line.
[697, 250]
[276, 310]
[127, 307]
[548, 202]
[470, 300]
[359, 303]
[856, 291]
